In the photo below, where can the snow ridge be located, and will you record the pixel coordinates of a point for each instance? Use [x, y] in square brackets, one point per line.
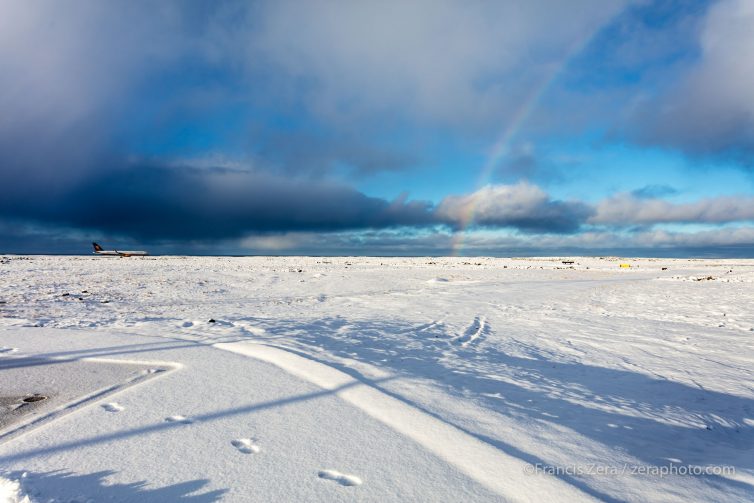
[497, 471]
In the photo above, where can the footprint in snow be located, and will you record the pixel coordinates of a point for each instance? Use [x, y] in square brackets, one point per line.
[5, 350]
[245, 446]
[112, 407]
[341, 478]
[178, 419]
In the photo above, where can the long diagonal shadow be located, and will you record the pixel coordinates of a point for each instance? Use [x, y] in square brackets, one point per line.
[110, 350]
[498, 444]
[650, 418]
[153, 428]
[68, 356]
[64, 484]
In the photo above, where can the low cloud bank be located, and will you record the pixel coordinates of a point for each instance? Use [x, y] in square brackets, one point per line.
[626, 209]
[153, 201]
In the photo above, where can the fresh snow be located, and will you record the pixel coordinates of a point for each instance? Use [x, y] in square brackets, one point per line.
[10, 492]
[387, 379]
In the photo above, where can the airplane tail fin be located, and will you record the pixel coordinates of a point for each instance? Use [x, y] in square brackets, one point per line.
[97, 247]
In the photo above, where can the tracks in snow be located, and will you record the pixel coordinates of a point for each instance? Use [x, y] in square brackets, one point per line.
[473, 332]
[245, 446]
[492, 468]
[112, 407]
[341, 478]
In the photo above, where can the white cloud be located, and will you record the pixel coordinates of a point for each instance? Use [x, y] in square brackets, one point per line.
[523, 205]
[275, 242]
[445, 61]
[626, 209]
[709, 109]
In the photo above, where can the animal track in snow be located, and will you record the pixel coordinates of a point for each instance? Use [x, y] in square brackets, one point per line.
[477, 328]
[437, 280]
[112, 407]
[178, 419]
[245, 446]
[341, 478]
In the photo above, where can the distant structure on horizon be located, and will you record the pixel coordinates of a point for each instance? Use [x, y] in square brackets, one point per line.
[115, 253]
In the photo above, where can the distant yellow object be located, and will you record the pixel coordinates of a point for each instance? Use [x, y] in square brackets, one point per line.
[625, 266]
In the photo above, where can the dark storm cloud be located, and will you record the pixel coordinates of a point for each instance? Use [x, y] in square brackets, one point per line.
[163, 202]
[168, 202]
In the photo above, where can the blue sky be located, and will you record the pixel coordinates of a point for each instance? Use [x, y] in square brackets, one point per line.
[422, 127]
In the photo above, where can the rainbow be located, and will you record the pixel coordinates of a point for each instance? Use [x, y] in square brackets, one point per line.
[500, 147]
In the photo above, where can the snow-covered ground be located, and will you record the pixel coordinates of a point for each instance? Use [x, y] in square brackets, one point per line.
[389, 379]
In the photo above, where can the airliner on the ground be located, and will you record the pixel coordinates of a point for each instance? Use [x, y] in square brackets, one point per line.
[115, 253]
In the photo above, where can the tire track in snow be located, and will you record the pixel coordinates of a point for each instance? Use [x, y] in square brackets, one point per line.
[473, 332]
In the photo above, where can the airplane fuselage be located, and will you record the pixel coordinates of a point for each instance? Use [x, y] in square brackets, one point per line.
[118, 253]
